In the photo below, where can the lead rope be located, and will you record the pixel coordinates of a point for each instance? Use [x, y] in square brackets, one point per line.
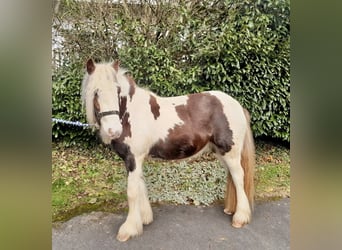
[77, 123]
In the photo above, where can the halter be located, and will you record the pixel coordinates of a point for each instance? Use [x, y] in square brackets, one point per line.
[99, 115]
[105, 113]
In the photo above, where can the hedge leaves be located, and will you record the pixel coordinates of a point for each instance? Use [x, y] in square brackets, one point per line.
[240, 47]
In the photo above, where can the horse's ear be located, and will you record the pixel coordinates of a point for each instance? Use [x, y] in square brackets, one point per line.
[116, 65]
[90, 66]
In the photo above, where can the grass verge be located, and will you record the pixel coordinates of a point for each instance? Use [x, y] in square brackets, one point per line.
[95, 179]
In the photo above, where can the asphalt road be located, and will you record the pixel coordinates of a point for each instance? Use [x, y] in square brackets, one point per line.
[180, 227]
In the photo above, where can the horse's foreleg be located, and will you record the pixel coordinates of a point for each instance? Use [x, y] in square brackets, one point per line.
[145, 206]
[133, 225]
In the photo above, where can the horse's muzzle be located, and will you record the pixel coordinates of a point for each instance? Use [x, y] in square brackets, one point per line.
[114, 134]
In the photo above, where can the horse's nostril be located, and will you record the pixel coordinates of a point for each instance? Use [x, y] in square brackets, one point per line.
[113, 134]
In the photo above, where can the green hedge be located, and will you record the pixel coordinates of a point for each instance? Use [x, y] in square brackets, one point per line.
[239, 47]
[66, 104]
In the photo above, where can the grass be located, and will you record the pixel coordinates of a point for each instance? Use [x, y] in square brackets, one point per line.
[95, 179]
[272, 171]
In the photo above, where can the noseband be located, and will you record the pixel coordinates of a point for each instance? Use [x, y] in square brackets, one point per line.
[100, 115]
[105, 113]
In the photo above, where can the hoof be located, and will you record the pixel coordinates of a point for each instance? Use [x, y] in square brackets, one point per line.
[122, 237]
[226, 211]
[240, 219]
[237, 224]
[128, 230]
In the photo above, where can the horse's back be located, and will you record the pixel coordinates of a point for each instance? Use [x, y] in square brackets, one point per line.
[226, 100]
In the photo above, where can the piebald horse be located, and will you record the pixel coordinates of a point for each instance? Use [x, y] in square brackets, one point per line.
[137, 123]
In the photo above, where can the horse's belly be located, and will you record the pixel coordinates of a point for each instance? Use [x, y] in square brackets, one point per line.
[177, 149]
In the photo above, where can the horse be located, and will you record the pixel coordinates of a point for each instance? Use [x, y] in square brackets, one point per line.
[137, 123]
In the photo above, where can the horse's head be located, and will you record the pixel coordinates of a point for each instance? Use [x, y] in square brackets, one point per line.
[101, 99]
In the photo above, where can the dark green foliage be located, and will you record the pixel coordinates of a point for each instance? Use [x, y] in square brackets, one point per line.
[240, 47]
[66, 104]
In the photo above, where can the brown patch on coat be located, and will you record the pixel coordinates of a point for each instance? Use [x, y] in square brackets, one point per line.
[204, 121]
[118, 145]
[154, 107]
[122, 106]
[124, 151]
[126, 127]
[121, 148]
[132, 86]
[124, 115]
[96, 105]
[96, 102]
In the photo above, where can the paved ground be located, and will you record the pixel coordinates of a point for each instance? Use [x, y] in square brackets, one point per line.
[180, 227]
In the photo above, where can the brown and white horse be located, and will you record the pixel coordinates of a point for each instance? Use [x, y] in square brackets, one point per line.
[137, 123]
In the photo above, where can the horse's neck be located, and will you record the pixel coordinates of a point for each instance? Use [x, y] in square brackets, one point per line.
[125, 89]
[143, 93]
[129, 89]
[141, 97]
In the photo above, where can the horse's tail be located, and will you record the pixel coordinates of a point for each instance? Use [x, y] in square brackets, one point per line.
[248, 164]
[248, 161]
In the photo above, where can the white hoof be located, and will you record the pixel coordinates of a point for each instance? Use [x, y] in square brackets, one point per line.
[241, 218]
[129, 230]
[226, 211]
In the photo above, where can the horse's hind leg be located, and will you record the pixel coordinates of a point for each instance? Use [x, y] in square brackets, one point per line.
[242, 209]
